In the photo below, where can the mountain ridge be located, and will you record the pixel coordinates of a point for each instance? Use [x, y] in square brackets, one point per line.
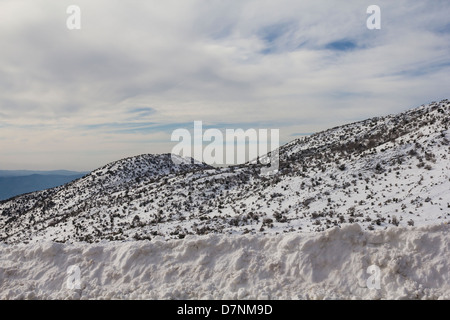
[21, 173]
[380, 172]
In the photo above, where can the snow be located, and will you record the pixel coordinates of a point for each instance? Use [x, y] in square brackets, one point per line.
[365, 172]
[228, 233]
[414, 263]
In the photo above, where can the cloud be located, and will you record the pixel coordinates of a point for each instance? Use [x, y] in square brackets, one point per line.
[134, 72]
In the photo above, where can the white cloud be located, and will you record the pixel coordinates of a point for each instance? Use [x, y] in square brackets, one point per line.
[232, 62]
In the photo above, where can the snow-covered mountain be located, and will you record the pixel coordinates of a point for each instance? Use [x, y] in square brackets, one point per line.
[381, 172]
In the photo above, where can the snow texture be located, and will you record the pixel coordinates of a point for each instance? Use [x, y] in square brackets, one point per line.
[413, 262]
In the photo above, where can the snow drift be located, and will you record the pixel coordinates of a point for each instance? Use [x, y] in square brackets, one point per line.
[413, 263]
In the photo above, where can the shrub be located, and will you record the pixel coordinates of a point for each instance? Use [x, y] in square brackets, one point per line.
[395, 221]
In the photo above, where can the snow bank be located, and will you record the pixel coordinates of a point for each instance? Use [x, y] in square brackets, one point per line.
[413, 264]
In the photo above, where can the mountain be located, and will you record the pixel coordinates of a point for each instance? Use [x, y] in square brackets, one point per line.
[13, 183]
[22, 173]
[382, 172]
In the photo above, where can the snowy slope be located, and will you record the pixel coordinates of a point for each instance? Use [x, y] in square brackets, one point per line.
[414, 263]
[382, 172]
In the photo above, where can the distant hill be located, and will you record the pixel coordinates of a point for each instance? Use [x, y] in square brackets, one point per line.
[13, 183]
[23, 173]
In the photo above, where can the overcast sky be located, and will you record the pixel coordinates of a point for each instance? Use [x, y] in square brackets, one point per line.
[137, 70]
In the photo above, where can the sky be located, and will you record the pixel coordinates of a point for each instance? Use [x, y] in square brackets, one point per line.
[138, 70]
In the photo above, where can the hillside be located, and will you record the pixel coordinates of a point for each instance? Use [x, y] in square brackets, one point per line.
[381, 172]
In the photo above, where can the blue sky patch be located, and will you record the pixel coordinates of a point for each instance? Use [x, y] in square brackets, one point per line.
[342, 45]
